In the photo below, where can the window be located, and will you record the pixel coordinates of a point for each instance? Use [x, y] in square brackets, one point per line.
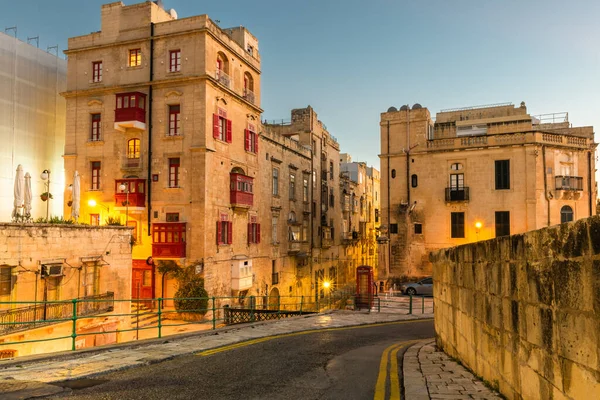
[393, 173]
[305, 190]
[274, 222]
[331, 198]
[566, 214]
[456, 167]
[97, 71]
[174, 60]
[96, 175]
[174, 120]
[275, 182]
[331, 170]
[305, 230]
[173, 172]
[457, 225]
[224, 230]
[135, 57]
[414, 180]
[394, 228]
[222, 126]
[248, 87]
[418, 229]
[376, 215]
[292, 187]
[502, 174]
[502, 223]
[96, 124]
[251, 142]
[5, 281]
[91, 280]
[94, 219]
[457, 181]
[253, 232]
[133, 148]
[172, 217]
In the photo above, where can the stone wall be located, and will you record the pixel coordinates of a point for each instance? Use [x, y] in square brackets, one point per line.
[523, 312]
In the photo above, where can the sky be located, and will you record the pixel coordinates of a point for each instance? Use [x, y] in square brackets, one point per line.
[353, 59]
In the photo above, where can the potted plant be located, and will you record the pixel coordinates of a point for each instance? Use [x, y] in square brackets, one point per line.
[70, 203]
[46, 195]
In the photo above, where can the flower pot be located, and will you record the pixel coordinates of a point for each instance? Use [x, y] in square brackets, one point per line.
[44, 197]
[70, 203]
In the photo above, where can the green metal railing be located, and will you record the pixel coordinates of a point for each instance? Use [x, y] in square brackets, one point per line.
[162, 316]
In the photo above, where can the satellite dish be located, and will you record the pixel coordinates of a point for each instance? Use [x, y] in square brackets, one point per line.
[173, 13]
[392, 109]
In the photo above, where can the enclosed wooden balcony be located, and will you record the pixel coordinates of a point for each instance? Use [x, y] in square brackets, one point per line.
[168, 239]
[241, 191]
[130, 111]
[133, 195]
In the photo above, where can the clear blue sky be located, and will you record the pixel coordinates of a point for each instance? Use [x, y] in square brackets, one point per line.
[352, 59]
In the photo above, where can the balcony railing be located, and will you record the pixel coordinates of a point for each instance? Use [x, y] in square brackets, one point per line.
[274, 278]
[132, 163]
[457, 194]
[249, 95]
[293, 247]
[137, 192]
[569, 183]
[223, 78]
[168, 240]
[45, 313]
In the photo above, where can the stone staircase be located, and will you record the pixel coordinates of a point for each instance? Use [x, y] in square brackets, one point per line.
[142, 315]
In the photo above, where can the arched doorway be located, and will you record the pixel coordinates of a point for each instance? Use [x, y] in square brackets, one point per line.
[274, 299]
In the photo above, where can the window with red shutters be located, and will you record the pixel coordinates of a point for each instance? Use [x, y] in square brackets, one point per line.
[174, 120]
[97, 71]
[251, 141]
[222, 127]
[175, 61]
[174, 172]
[96, 165]
[96, 124]
[253, 232]
[224, 231]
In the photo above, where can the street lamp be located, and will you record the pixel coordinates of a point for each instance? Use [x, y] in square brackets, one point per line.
[125, 188]
[478, 226]
[45, 175]
[94, 203]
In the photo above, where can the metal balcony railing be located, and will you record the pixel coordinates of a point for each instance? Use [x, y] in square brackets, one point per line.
[457, 194]
[223, 78]
[131, 163]
[45, 313]
[249, 95]
[569, 183]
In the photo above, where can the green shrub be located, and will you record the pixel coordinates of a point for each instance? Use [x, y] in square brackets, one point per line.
[193, 288]
[113, 221]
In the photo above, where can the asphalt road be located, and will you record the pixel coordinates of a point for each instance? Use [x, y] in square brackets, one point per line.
[341, 363]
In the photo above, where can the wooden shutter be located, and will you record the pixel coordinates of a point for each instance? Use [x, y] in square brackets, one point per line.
[229, 231]
[257, 233]
[215, 126]
[247, 143]
[228, 131]
[218, 232]
[255, 142]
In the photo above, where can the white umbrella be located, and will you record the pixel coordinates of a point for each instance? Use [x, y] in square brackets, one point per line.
[19, 186]
[76, 195]
[28, 196]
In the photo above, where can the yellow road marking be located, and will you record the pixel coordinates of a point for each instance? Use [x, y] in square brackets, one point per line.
[380, 386]
[264, 339]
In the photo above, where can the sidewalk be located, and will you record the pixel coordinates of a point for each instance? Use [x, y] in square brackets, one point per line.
[28, 376]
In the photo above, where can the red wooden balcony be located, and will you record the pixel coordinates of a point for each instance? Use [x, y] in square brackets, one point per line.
[241, 189]
[168, 240]
[130, 111]
[137, 193]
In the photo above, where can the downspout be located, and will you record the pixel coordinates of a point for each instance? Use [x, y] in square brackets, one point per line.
[545, 181]
[407, 156]
[149, 105]
[590, 182]
[389, 214]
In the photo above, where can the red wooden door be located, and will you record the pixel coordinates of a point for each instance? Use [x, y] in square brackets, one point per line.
[142, 280]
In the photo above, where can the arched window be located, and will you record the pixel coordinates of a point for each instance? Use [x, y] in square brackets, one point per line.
[133, 148]
[566, 214]
[414, 181]
[248, 83]
[222, 72]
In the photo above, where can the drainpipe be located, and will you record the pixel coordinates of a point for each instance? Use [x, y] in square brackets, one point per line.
[545, 181]
[389, 214]
[149, 105]
[590, 182]
[408, 155]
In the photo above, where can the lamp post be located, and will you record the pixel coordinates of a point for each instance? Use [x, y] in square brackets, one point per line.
[45, 175]
[125, 188]
[478, 226]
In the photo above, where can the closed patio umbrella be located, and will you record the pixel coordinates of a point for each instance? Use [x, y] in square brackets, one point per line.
[19, 192]
[28, 197]
[76, 197]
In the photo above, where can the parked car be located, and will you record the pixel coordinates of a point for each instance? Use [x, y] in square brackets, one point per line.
[423, 287]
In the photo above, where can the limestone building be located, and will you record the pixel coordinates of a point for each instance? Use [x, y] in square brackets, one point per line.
[32, 120]
[163, 123]
[477, 173]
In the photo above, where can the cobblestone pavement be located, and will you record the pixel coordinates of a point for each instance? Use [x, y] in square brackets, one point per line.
[428, 374]
[431, 374]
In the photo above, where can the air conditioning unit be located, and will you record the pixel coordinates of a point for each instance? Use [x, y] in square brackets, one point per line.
[52, 270]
